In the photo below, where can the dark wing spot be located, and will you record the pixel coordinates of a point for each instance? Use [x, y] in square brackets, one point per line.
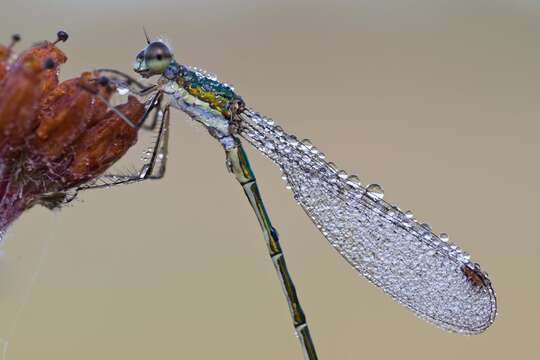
[475, 276]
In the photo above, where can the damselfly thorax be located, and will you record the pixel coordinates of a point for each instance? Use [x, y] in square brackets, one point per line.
[198, 109]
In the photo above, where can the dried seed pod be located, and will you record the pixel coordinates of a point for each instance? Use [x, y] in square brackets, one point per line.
[19, 101]
[64, 115]
[104, 143]
[53, 136]
[40, 53]
[5, 53]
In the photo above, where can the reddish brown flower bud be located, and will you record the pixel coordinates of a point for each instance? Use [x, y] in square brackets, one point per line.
[5, 53]
[104, 143]
[40, 53]
[25, 83]
[19, 100]
[53, 137]
[64, 114]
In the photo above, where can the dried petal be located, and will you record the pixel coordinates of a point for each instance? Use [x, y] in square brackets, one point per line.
[53, 137]
[18, 106]
[104, 143]
[5, 53]
[39, 53]
[24, 85]
[63, 116]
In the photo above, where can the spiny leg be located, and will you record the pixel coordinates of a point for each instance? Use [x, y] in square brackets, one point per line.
[154, 102]
[153, 170]
[161, 148]
[153, 124]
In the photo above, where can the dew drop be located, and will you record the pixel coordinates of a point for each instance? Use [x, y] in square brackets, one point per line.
[409, 214]
[443, 237]
[122, 91]
[307, 143]
[375, 191]
[293, 140]
[333, 167]
[354, 181]
[144, 170]
[342, 174]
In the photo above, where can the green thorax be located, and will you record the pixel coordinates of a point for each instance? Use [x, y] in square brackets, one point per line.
[206, 88]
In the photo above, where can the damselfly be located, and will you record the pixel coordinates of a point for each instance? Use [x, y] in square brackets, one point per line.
[421, 270]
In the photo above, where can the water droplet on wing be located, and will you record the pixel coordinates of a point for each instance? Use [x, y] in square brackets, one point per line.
[307, 143]
[354, 181]
[375, 191]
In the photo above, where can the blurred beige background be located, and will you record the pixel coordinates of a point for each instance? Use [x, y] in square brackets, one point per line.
[435, 100]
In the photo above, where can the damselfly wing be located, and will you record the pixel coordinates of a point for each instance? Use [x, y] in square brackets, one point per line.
[419, 269]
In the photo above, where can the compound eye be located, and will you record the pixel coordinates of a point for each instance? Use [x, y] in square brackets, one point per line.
[157, 57]
[157, 51]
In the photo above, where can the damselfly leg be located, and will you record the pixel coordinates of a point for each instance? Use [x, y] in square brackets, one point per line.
[126, 84]
[155, 168]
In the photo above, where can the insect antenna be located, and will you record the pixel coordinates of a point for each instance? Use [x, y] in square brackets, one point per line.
[146, 35]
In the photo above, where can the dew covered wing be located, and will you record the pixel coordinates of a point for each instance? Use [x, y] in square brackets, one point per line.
[418, 269]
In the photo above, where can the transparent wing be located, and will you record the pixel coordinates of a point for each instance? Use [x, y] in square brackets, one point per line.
[420, 270]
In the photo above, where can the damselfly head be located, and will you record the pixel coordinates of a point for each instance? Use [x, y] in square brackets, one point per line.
[153, 59]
